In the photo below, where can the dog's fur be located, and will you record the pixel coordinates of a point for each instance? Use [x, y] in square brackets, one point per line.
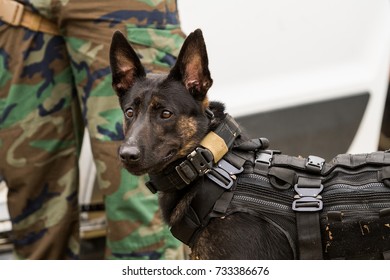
[164, 121]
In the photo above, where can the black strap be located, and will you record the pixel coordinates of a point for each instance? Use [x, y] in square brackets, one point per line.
[228, 130]
[254, 144]
[311, 164]
[307, 207]
[309, 236]
[186, 228]
[222, 204]
[210, 201]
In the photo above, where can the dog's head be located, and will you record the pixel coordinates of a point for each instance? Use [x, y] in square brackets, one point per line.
[164, 114]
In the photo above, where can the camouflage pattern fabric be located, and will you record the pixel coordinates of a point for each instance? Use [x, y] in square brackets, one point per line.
[53, 86]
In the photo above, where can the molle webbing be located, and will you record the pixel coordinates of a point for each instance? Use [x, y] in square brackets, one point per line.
[347, 200]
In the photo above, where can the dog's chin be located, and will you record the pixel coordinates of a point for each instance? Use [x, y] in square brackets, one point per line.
[158, 165]
[170, 156]
[136, 172]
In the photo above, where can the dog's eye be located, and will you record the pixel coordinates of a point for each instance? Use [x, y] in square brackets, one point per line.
[166, 114]
[129, 113]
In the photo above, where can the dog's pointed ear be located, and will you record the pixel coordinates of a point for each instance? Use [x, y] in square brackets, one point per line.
[125, 64]
[192, 66]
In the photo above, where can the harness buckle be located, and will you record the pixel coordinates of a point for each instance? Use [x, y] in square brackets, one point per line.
[201, 159]
[307, 204]
[315, 164]
[265, 156]
[308, 191]
[11, 12]
[198, 163]
[229, 168]
[220, 177]
[224, 174]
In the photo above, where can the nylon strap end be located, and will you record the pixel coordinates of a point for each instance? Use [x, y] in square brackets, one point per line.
[216, 145]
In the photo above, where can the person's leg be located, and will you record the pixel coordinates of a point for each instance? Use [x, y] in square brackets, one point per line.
[135, 228]
[38, 149]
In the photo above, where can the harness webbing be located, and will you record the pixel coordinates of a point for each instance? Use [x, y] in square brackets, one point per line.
[202, 209]
[309, 236]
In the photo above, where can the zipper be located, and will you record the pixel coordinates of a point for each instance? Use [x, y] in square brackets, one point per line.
[264, 182]
[261, 186]
[352, 207]
[255, 177]
[272, 206]
[353, 194]
[362, 187]
[354, 202]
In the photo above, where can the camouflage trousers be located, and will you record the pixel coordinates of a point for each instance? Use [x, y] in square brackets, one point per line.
[51, 87]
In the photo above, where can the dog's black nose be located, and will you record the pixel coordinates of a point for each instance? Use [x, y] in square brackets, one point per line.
[129, 153]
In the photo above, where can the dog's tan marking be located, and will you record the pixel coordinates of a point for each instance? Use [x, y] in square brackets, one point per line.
[155, 102]
[187, 128]
[205, 103]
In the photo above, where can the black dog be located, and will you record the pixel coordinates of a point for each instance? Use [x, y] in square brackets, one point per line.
[166, 117]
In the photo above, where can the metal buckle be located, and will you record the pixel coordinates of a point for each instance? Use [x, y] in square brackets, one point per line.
[307, 204]
[201, 159]
[265, 156]
[220, 177]
[11, 12]
[224, 174]
[315, 163]
[309, 199]
[229, 168]
[311, 192]
[198, 163]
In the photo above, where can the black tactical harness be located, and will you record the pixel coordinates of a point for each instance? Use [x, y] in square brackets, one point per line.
[311, 202]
